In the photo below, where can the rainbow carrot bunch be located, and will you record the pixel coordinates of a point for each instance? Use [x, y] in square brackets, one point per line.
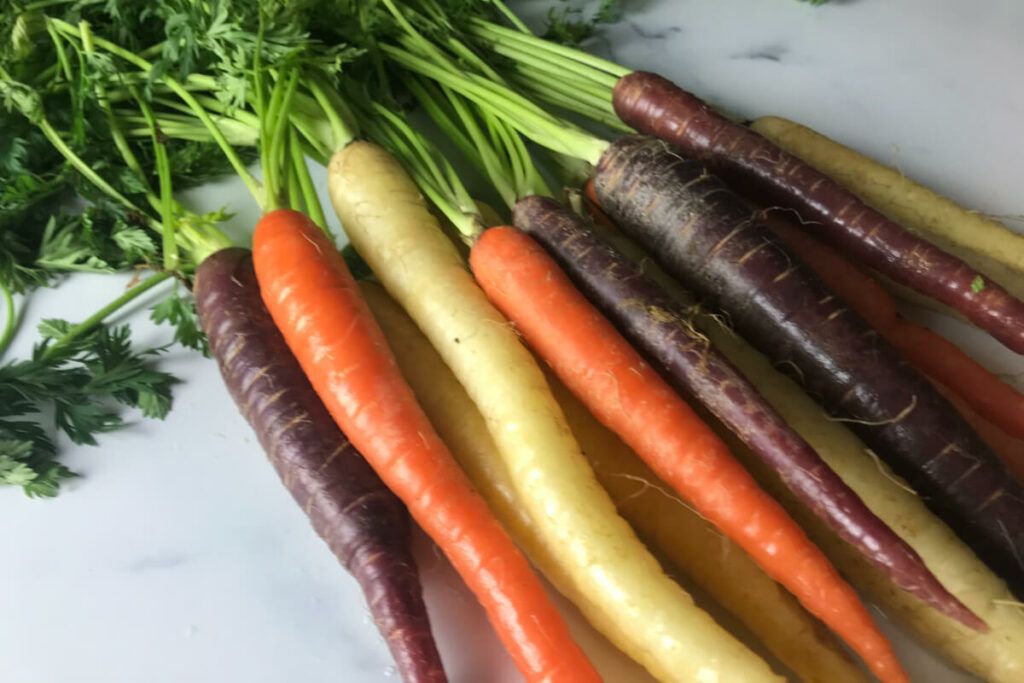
[602, 379]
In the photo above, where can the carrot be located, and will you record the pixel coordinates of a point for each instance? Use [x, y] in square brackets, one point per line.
[623, 591]
[996, 655]
[664, 332]
[707, 236]
[1007, 447]
[315, 303]
[674, 530]
[655, 105]
[363, 523]
[713, 242]
[625, 394]
[984, 243]
[464, 429]
[714, 563]
[931, 353]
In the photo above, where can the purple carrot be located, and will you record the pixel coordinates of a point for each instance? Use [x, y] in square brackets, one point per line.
[656, 106]
[363, 523]
[661, 328]
[712, 241]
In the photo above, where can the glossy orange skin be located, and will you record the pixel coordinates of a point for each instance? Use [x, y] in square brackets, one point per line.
[316, 304]
[630, 398]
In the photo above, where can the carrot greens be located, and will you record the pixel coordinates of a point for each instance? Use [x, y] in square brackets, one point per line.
[82, 194]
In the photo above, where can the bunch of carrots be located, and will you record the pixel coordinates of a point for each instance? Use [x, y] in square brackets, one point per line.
[662, 299]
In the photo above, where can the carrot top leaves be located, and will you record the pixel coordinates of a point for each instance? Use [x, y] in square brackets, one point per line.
[80, 373]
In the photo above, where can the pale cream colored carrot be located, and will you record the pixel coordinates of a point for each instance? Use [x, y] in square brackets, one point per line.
[618, 584]
[998, 655]
[674, 530]
[985, 244]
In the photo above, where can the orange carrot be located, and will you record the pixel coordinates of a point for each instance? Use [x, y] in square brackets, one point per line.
[940, 359]
[316, 304]
[630, 398]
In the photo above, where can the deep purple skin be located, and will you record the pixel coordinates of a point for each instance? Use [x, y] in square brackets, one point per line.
[364, 524]
[660, 328]
[656, 106]
[713, 242]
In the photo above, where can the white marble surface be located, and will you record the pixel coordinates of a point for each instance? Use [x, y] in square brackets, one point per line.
[179, 557]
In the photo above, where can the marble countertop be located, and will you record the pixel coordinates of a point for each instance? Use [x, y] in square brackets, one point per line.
[178, 556]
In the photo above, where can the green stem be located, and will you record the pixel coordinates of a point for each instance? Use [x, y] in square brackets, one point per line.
[512, 17]
[296, 200]
[43, 4]
[527, 179]
[493, 33]
[422, 44]
[77, 132]
[465, 53]
[99, 316]
[339, 118]
[317, 147]
[260, 91]
[163, 172]
[519, 112]
[588, 97]
[575, 76]
[236, 162]
[484, 151]
[120, 142]
[305, 182]
[273, 157]
[434, 175]
[187, 128]
[79, 164]
[429, 96]
[63, 63]
[570, 103]
[10, 324]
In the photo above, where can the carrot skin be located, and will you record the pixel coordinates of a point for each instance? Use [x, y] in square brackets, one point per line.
[1010, 449]
[711, 240]
[655, 105]
[316, 304]
[661, 329]
[629, 397]
[931, 353]
[363, 523]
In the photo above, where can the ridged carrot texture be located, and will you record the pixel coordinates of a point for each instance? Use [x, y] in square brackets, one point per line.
[928, 351]
[655, 105]
[625, 394]
[675, 531]
[664, 331]
[463, 428]
[714, 242]
[1010, 449]
[316, 304]
[621, 587]
[993, 408]
[984, 243]
[363, 523]
[996, 655]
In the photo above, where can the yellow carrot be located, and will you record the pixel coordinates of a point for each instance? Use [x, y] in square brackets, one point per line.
[678, 533]
[462, 427]
[621, 587]
[985, 244]
[998, 655]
